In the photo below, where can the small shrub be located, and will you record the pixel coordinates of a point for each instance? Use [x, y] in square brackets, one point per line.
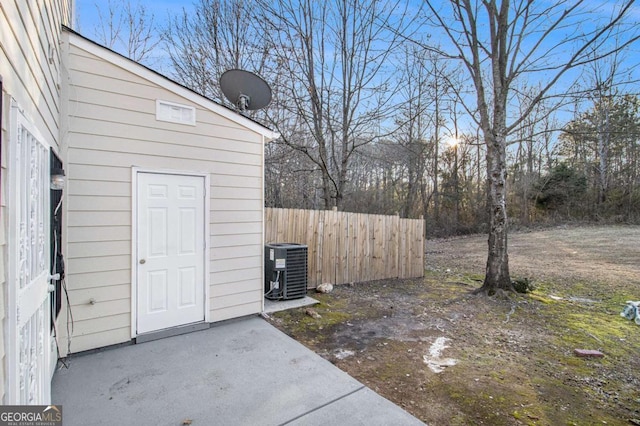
[522, 285]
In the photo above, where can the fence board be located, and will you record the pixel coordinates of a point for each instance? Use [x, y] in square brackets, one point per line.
[352, 250]
[378, 247]
[350, 247]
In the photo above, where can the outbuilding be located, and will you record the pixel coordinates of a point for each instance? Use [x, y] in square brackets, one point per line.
[163, 207]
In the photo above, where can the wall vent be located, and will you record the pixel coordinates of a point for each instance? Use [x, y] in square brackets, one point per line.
[175, 113]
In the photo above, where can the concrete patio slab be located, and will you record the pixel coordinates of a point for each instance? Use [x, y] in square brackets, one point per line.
[243, 372]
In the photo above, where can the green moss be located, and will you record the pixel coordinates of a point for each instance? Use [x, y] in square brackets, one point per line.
[541, 298]
[333, 317]
[386, 372]
[299, 321]
[592, 330]
[430, 274]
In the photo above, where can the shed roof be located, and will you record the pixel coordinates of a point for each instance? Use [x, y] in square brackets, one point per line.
[155, 77]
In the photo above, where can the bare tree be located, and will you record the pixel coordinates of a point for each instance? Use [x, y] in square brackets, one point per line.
[499, 42]
[603, 80]
[129, 29]
[415, 121]
[337, 90]
[216, 36]
[530, 139]
[608, 129]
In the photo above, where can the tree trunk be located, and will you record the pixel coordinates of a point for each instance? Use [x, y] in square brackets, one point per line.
[603, 151]
[326, 190]
[436, 146]
[497, 270]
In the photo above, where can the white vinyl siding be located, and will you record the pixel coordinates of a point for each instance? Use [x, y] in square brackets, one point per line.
[112, 128]
[3, 244]
[30, 65]
[32, 72]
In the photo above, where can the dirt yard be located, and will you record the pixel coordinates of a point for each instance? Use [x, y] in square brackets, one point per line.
[451, 358]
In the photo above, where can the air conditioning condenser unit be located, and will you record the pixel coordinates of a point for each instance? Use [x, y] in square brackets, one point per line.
[285, 275]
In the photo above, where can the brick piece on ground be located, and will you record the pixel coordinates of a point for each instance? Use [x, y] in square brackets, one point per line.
[588, 353]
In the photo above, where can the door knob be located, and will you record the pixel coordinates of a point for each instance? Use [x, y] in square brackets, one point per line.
[142, 261]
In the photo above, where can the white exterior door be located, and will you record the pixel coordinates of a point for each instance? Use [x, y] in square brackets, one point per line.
[170, 250]
[31, 356]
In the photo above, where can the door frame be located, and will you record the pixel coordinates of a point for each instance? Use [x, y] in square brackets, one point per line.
[134, 237]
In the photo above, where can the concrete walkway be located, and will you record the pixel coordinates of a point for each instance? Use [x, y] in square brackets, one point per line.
[244, 372]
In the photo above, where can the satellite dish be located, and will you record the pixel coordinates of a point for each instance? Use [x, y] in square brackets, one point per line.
[245, 90]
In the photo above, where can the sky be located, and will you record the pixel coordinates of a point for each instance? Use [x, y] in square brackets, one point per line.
[87, 11]
[87, 20]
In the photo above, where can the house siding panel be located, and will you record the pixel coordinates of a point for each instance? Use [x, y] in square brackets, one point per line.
[95, 172]
[236, 216]
[98, 234]
[30, 66]
[3, 243]
[235, 311]
[162, 131]
[89, 203]
[157, 159]
[99, 218]
[236, 299]
[221, 253]
[232, 228]
[98, 339]
[28, 74]
[231, 264]
[231, 193]
[112, 128]
[96, 188]
[102, 325]
[83, 311]
[234, 240]
[103, 294]
[177, 149]
[233, 288]
[99, 279]
[106, 248]
[218, 179]
[3, 364]
[235, 275]
[83, 265]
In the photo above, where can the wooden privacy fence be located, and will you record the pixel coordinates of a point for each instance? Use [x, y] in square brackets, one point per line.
[350, 247]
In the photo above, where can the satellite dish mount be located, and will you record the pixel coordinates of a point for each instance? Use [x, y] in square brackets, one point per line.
[245, 90]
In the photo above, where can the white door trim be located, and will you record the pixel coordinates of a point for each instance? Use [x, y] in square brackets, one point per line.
[134, 237]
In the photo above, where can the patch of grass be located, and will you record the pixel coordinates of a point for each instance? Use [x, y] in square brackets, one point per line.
[474, 278]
